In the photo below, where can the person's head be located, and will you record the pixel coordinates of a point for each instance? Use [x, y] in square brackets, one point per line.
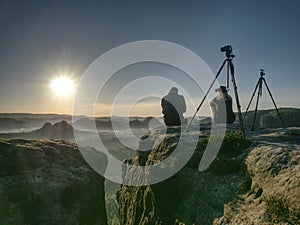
[222, 90]
[174, 90]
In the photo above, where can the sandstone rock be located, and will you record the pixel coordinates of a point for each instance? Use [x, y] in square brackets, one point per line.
[274, 197]
[189, 196]
[48, 182]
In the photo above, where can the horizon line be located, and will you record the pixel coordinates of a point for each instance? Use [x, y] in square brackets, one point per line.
[98, 116]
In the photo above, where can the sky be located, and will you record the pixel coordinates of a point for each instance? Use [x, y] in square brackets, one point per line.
[41, 40]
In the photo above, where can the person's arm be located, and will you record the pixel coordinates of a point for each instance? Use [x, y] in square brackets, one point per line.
[183, 105]
[162, 104]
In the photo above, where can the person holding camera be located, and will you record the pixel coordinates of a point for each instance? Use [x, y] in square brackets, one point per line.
[221, 106]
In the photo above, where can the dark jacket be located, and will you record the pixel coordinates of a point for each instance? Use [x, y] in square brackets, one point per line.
[173, 107]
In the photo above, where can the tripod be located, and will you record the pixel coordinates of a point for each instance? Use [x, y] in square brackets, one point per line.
[230, 70]
[258, 86]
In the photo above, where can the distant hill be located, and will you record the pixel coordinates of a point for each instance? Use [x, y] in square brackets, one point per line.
[82, 122]
[60, 130]
[145, 123]
[106, 123]
[101, 123]
[22, 116]
[269, 118]
[25, 122]
[9, 124]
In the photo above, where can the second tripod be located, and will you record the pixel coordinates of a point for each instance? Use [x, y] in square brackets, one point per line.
[258, 87]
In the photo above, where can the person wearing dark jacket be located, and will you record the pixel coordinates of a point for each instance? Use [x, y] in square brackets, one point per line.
[173, 106]
[222, 107]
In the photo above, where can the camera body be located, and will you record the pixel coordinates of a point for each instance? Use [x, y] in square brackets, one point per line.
[228, 50]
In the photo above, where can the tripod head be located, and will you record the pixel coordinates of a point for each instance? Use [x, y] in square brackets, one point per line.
[228, 51]
[262, 73]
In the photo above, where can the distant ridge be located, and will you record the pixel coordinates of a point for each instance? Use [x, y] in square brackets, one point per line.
[269, 119]
[11, 124]
[59, 130]
[106, 123]
[27, 122]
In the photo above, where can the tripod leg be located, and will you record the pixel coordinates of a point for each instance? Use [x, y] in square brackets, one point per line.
[257, 100]
[251, 99]
[227, 76]
[274, 102]
[236, 97]
[210, 87]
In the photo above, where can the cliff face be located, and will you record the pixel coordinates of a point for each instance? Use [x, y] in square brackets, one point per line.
[246, 184]
[189, 196]
[274, 197]
[48, 182]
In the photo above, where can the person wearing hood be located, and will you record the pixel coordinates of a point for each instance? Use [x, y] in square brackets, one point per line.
[173, 106]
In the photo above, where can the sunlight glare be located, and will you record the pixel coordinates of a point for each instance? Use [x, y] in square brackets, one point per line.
[62, 86]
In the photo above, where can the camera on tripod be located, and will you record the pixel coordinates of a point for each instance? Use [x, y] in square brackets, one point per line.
[230, 72]
[262, 73]
[228, 51]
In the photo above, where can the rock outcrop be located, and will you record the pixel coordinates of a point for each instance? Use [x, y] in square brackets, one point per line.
[48, 182]
[190, 196]
[256, 184]
[274, 197]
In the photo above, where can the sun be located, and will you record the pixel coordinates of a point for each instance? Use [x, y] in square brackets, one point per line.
[62, 86]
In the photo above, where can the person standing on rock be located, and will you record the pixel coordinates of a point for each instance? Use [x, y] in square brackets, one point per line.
[173, 106]
[221, 106]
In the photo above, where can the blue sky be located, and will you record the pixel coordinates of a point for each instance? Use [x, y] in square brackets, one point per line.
[41, 39]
